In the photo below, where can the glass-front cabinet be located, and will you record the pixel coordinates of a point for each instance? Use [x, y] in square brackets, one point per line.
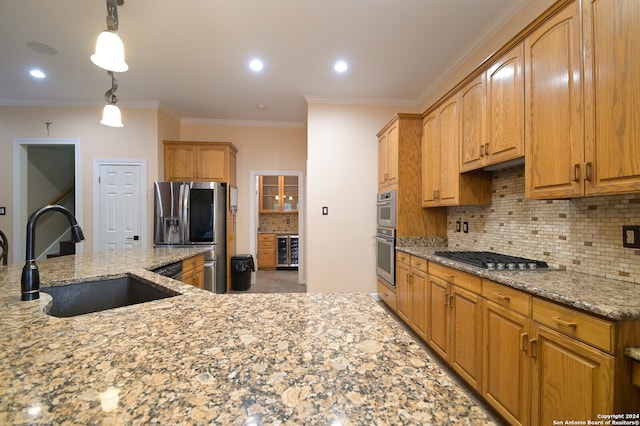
[278, 194]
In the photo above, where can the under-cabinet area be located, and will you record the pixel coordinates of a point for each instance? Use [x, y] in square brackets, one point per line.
[518, 340]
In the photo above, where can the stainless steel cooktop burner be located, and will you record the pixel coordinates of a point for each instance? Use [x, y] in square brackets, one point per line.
[490, 260]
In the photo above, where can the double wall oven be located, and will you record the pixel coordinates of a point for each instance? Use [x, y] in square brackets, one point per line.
[386, 236]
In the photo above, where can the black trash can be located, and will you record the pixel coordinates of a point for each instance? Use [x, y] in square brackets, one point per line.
[241, 267]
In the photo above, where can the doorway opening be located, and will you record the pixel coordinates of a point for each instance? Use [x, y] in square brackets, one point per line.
[47, 171]
[277, 213]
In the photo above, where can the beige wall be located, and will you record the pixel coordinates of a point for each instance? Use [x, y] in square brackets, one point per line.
[138, 139]
[342, 174]
[259, 148]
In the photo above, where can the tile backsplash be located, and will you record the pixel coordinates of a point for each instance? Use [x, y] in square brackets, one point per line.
[581, 234]
[278, 222]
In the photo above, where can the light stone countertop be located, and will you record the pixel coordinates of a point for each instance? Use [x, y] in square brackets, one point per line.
[613, 299]
[209, 358]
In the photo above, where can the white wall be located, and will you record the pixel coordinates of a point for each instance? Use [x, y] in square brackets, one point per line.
[342, 174]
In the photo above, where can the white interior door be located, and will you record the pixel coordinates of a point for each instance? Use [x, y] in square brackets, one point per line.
[121, 205]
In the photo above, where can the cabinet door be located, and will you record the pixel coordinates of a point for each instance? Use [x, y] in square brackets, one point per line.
[383, 161]
[269, 194]
[430, 159]
[392, 155]
[505, 103]
[472, 124]
[438, 315]
[449, 189]
[506, 368]
[466, 335]
[419, 303]
[403, 291]
[553, 108]
[612, 90]
[571, 380]
[180, 162]
[289, 193]
[212, 164]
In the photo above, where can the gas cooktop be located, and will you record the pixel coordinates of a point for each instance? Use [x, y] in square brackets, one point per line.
[490, 260]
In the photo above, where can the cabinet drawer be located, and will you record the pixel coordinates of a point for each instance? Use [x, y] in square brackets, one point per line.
[403, 257]
[266, 238]
[507, 296]
[454, 276]
[193, 263]
[580, 325]
[419, 264]
[387, 295]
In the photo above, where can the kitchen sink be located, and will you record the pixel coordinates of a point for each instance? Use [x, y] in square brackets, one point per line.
[94, 296]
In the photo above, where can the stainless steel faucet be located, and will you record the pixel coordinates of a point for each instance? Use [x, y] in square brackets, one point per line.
[30, 282]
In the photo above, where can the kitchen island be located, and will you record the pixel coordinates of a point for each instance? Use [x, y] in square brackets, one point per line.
[201, 357]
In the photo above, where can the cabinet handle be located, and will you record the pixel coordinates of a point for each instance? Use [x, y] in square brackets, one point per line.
[438, 192]
[524, 342]
[565, 323]
[451, 299]
[446, 300]
[534, 348]
[503, 297]
[486, 149]
[434, 195]
[587, 171]
[482, 150]
[576, 172]
[450, 278]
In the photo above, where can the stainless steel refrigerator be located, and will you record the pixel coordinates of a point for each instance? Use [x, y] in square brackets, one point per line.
[191, 214]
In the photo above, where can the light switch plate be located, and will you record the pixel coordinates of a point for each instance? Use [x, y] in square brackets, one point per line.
[325, 211]
[3, 211]
[631, 236]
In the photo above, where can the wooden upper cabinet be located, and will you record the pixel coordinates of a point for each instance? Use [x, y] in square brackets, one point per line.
[388, 141]
[553, 108]
[473, 113]
[505, 108]
[442, 182]
[200, 161]
[612, 91]
[278, 194]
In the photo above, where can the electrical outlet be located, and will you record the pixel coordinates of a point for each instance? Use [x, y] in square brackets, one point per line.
[465, 227]
[458, 226]
[631, 236]
[288, 221]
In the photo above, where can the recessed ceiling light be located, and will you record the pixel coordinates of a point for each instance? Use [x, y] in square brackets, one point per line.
[256, 65]
[340, 66]
[36, 73]
[261, 107]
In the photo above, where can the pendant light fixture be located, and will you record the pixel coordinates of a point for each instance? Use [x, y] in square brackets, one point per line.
[110, 56]
[111, 113]
[109, 52]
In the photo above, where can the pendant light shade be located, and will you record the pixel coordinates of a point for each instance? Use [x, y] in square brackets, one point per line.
[111, 116]
[109, 52]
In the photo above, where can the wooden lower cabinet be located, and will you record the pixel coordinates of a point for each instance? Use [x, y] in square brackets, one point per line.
[193, 271]
[506, 365]
[266, 251]
[532, 360]
[571, 380]
[411, 291]
[387, 294]
[455, 321]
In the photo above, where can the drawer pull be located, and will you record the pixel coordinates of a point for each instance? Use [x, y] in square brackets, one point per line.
[565, 323]
[503, 297]
[524, 342]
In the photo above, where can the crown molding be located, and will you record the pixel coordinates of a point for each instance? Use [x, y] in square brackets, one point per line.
[311, 99]
[243, 123]
[74, 103]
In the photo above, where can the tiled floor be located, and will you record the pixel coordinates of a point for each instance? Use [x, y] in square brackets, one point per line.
[276, 282]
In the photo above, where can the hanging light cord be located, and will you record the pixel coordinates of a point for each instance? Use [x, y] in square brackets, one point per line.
[110, 95]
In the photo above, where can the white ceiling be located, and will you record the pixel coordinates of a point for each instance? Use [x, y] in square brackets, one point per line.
[191, 56]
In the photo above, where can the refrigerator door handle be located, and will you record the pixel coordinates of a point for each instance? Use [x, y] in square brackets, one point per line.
[184, 213]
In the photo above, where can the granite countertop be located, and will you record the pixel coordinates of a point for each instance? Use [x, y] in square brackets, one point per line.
[613, 299]
[201, 357]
